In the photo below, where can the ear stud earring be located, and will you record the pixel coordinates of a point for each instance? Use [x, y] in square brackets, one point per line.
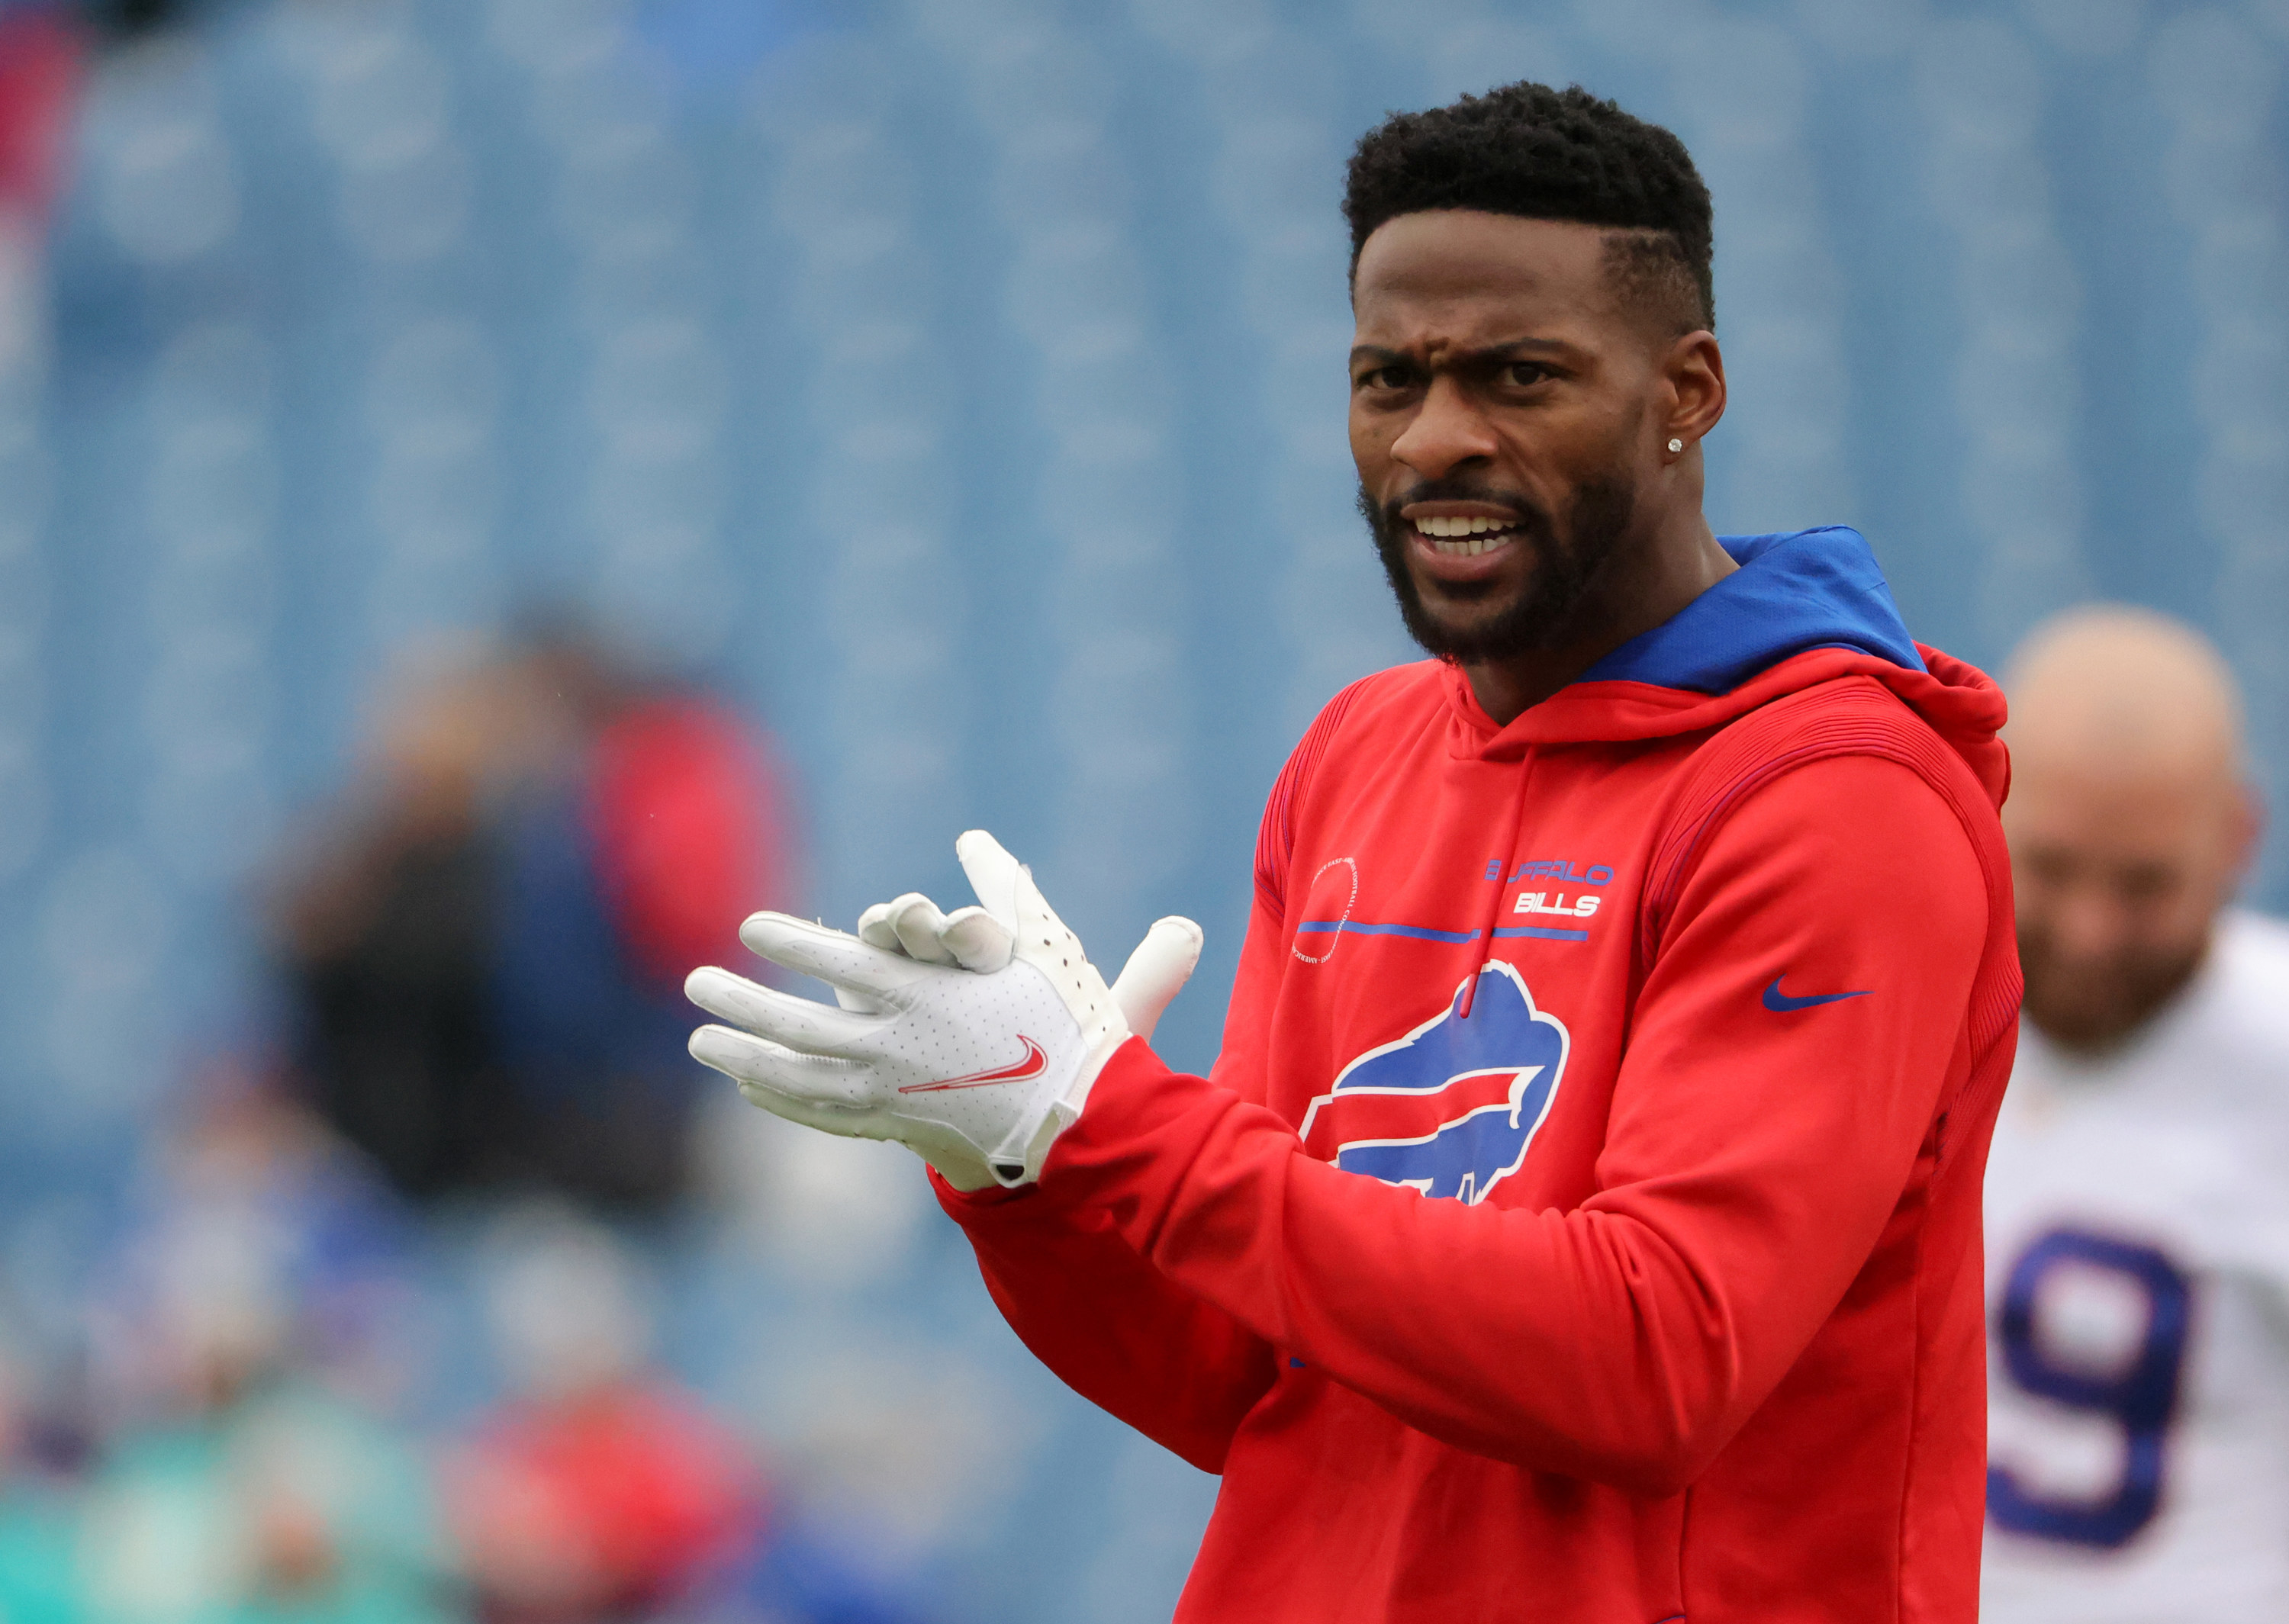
[1676, 446]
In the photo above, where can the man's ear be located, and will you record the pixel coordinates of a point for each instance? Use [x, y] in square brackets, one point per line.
[1694, 369]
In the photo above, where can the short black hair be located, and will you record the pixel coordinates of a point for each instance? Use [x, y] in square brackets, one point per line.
[1551, 154]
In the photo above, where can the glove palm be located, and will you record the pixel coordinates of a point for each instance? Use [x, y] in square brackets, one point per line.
[976, 1069]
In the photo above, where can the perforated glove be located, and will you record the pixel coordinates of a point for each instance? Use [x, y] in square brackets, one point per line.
[975, 1069]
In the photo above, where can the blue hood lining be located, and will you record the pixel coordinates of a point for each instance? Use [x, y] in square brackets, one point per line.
[1809, 589]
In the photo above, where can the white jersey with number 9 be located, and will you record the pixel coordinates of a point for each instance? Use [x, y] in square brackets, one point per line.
[2138, 1293]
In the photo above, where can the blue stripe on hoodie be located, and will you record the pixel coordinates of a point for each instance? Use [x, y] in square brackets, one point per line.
[1810, 589]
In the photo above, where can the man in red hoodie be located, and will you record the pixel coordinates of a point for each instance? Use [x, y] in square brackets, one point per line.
[1582, 1221]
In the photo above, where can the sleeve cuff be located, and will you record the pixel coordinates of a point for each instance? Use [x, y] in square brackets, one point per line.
[960, 1204]
[1128, 1098]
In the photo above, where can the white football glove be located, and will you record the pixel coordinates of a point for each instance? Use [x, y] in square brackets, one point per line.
[976, 1069]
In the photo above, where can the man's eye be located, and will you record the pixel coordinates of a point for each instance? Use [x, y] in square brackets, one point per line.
[2141, 887]
[1385, 377]
[1525, 373]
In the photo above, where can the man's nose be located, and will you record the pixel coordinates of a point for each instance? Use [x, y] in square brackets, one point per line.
[2088, 923]
[1449, 432]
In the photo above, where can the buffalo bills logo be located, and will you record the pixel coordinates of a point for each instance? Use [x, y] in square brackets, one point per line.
[1449, 1108]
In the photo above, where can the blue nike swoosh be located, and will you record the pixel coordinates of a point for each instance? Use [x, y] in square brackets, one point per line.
[1781, 1003]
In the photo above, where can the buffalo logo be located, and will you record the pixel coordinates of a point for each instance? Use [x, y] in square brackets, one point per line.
[1449, 1108]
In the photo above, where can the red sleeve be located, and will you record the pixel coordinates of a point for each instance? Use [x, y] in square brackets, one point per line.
[1751, 1159]
[1115, 1329]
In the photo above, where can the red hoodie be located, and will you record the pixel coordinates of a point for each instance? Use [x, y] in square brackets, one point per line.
[1581, 1221]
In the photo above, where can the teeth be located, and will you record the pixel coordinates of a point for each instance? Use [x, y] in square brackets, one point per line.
[1465, 537]
[1438, 527]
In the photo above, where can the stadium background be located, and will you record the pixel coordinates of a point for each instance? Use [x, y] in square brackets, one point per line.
[958, 385]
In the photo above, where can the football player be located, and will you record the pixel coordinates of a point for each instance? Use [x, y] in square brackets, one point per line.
[1582, 1221]
[2138, 1274]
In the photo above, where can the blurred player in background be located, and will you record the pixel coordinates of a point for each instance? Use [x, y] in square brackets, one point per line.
[2138, 1219]
[1582, 1222]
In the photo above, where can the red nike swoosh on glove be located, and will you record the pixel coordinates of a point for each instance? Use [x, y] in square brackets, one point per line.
[1034, 1063]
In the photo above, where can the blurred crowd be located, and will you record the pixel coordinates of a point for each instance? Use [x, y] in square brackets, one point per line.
[480, 943]
[235, 1441]
[246, 1458]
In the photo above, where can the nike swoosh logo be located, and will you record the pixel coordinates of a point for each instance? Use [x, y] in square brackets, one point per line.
[1034, 1063]
[1781, 1003]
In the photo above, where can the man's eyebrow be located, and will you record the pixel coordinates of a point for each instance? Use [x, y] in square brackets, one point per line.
[1482, 356]
[1495, 351]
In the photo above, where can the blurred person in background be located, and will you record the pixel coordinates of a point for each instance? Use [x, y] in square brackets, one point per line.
[600, 1489]
[244, 1337]
[246, 1172]
[2138, 1227]
[483, 938]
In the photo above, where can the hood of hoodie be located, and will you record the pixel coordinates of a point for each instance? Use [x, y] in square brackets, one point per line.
[1803, 608]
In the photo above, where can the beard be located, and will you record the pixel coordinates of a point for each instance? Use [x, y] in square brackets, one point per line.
[1554, 608]
[2090, 1006]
